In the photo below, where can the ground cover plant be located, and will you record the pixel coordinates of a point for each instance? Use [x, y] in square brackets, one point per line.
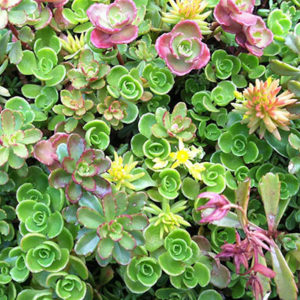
[149, 149]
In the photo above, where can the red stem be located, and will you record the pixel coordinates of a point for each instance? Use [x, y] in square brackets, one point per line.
[15, 32]
[119, 56]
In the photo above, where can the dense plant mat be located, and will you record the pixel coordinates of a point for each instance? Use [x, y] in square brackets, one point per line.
[149, 149]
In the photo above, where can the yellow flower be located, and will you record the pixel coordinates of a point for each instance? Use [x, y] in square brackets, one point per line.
[188, 10]
[120, 174]
[184, 155]
[196, 169]
[159, 163]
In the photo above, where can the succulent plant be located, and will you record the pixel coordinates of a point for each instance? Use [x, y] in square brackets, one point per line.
[160, 80]
[43, 65]
[222, 66]
[19, 271]
[188, 10]
[193, 275]
[236, 17]
[16, 139]
[164, 220]
[174, 125]
[114, 23]
[124, 174]
[35, 213]
[123, 83]
[42, 254]
[67, 286]
[141, 274]
[114, 225]
[263, 110]
[77, 168]
[238, 142]
[74, 105]
[97, 134]
[182, 49]
[89, 72]
[72, 44]
[181, 252]
[113, 111]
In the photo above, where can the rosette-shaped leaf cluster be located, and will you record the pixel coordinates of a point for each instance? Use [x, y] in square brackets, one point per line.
[175, 125]
[74, 167]
[213, 176]
[160, 80]
[141, 274]
[169, 183]
[89, 72]
[263, 109]
[125, 84]
[188, 10]
[114, 23]
[113, 111]
[19, 13]
[42, 254]
[238, 142]
[97, 134]
[16, 140]
[43, 65]
[236, 17]
[113, 225]
[181, 252]
[67, 286]
[37, 212]
[154, 149]
[222, 66]
[182, 49]
[74, 105]
[280, 23]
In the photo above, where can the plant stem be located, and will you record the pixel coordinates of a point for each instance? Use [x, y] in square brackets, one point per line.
[15, 32]
[119, 56]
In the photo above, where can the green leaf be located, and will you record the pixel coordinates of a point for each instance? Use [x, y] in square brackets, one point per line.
[153, 238]
[210, 295]
[242, 194]
[171, 266]
[28, 63]
[202, 272]
[284, 279]
[269, 189]
[87, 243]
[89, 218]
[284, 69]
[15, 53]
[145, 124]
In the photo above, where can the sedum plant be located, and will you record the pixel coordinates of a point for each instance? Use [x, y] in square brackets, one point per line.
[181, 252]
[173, 125]
[182, 49]
[16, 141]
[78, 169]
[131, 135]
[113, 225]
[141, 274]
[263, 110]
[115, 25]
